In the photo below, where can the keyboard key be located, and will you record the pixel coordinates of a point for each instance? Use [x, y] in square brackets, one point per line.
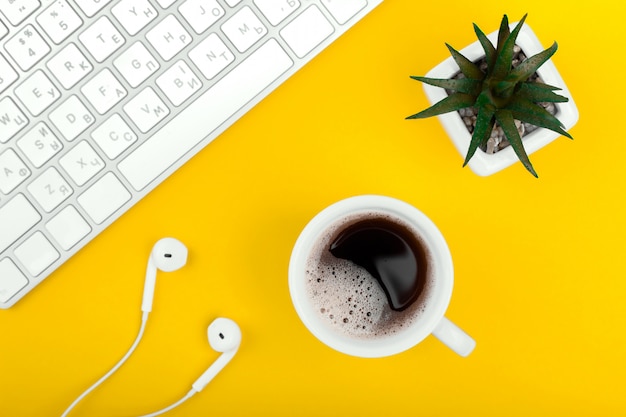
[201, 14]
[103, 91]
[69, 66]
[17, 217]
[37, 93]
[136, 64]
[102, 39]
[306, 31]
[146, 109]
[233, 3]
[50, 189]
[7, 74]
[27, 47]
[11, 280]
[59, 21]
[104, 198]
[277, 10]
[18, 10]
[36, 253]
[81, 163]
[343, 10]
[166, 3]
[244, 29]
[71, 118]
[12, 171]
[168, 37]
[225, 98]
[114, 136]
[179, 83]
[211, 56]
[39, 144]
[68, 227]
[134, 15]
[91, 7]
[12, 120]
[3, 30]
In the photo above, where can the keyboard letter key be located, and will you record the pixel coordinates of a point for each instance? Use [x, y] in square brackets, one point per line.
[146, 109]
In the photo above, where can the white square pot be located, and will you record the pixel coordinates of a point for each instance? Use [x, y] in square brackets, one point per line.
[486, 164]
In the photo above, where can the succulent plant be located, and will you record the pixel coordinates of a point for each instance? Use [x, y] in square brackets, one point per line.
[501, 94]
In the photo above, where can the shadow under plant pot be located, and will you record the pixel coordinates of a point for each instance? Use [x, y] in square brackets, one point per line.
[483, 163]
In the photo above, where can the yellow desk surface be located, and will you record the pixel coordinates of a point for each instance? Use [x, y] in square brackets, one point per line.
[540, 263]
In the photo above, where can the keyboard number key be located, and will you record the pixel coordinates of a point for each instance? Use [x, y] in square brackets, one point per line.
[82, 163]
[244, 29]
[102, 39]
[50, 189]
[36, 253]
[27, 47]
[146, 109]
[91, 7]
[18, 10]
[59, 21]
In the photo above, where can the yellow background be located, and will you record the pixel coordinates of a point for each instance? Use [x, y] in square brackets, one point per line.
[540, 263]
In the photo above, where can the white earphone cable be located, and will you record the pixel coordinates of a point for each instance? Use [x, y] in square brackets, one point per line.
[144, 320]
[171, 407]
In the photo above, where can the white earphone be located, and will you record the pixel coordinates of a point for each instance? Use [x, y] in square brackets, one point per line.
[168, 255]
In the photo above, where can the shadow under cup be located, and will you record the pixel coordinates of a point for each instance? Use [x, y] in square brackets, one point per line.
[400, 330]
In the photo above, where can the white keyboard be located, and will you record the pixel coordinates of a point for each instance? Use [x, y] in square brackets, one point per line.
[102, 100]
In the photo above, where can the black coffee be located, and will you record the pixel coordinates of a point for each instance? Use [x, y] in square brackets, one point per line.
[356, 292]
[390, 253]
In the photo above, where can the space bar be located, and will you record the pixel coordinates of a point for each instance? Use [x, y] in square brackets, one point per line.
[203, 116]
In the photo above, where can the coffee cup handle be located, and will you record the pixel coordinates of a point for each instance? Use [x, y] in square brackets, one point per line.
[452, 336]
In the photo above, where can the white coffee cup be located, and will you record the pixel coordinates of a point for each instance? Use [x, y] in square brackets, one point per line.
[430, 320]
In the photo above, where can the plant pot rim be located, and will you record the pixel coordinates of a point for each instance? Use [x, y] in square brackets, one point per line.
[484, 164]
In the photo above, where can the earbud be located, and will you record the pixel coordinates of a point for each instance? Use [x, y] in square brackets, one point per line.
[224, 336]
[167, 255]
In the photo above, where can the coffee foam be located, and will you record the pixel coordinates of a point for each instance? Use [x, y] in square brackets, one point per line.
[348, 298]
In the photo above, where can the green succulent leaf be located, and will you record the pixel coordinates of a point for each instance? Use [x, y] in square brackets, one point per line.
[502, 65]
[453, 102]
[507, 122]
[490, 50]
[529, 66]
[484, 125]
[503, 32]
[467, 67]
[463, 85]
[527, 111]
[539, 93]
